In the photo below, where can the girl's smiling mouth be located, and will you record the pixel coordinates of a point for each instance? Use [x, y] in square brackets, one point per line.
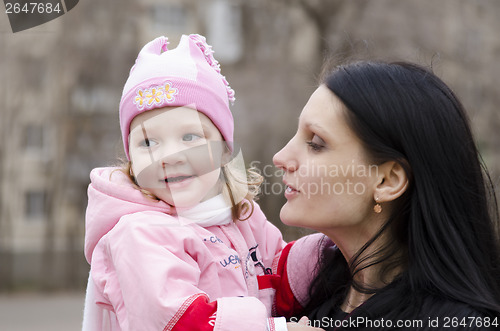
[177, 179]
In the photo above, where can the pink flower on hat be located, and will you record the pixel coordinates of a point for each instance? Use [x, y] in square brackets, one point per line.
[170, 92]
[139, 99]
[155, 96]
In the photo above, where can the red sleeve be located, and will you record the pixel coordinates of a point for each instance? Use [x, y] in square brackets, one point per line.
[195, 314]
[285, 303]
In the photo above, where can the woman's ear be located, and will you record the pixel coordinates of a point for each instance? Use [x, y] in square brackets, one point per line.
[392, 181]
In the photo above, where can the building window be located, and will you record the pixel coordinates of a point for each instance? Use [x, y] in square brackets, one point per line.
[169, 17]
[86, 100]
[36, 205]
[224, 30]
[34, 138]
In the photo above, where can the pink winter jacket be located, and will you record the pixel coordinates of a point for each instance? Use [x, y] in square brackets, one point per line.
[149, 273]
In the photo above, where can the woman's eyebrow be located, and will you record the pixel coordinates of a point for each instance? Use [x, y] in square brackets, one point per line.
[314, 126]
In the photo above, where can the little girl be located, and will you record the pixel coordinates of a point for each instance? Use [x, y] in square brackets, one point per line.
[174, 240]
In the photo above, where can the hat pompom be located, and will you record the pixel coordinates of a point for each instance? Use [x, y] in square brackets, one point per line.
[201, 42]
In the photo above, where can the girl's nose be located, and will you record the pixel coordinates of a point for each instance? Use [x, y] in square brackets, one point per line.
[171, 155]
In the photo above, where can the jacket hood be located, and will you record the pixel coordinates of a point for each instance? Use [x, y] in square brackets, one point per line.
[111, 196]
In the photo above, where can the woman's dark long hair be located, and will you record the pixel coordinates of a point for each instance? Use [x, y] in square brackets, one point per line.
[445, 226]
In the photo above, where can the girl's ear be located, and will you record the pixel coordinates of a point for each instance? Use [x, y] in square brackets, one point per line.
[392, 181]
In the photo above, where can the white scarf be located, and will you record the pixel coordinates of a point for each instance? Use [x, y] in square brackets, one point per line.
[214, 211]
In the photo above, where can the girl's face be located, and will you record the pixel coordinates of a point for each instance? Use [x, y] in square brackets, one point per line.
[330, 184]
[176, 154]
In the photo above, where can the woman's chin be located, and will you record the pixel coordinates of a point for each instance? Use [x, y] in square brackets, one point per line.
[287, 215]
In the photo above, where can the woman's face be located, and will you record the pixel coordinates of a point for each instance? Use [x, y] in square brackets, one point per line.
[176, 155]
[330, 183]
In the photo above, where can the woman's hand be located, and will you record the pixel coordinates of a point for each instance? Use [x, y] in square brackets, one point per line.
[302, 325]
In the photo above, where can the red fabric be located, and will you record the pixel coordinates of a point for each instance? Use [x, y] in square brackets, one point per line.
[286, 304]
[269, 281]
[196, 314]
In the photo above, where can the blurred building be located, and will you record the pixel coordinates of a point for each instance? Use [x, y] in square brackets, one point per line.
[62, 82]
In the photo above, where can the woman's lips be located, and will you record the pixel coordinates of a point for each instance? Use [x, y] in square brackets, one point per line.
[290, 190]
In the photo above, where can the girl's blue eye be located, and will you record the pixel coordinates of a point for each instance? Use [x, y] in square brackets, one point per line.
[191, 137]
[147, 143]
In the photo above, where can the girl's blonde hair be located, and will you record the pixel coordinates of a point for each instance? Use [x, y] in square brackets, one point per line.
[241, 187]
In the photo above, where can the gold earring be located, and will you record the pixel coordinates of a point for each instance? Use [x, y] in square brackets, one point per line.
[377, 208]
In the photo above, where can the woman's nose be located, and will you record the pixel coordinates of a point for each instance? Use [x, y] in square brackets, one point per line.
[286, 160]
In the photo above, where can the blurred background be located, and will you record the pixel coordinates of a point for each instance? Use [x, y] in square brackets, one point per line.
[62, 81]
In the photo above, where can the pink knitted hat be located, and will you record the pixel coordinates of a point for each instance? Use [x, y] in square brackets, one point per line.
[187, 76]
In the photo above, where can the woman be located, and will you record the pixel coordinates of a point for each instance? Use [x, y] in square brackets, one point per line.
[384, 164]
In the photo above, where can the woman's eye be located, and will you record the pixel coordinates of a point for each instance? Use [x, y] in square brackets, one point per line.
[316, 143]
[191, 137]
